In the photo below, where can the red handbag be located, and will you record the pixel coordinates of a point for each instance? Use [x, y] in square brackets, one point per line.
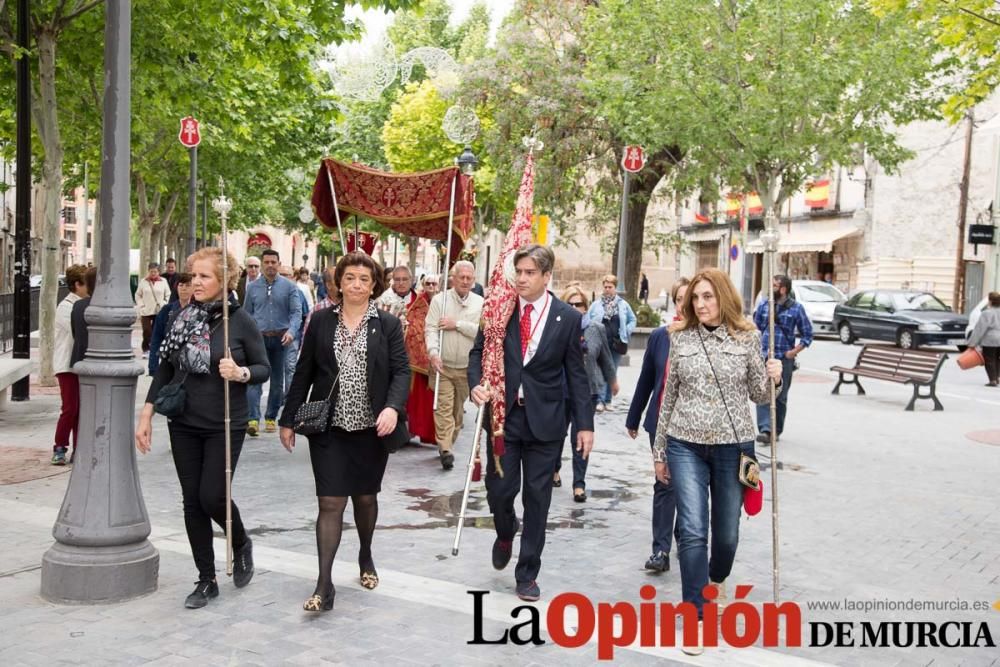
[753, 499]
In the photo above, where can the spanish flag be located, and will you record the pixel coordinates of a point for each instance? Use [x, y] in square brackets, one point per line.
[754, 205]
[818, 195]
[701, 219]
[732, 206]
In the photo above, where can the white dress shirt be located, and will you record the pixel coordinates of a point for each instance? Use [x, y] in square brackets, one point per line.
[540, 308]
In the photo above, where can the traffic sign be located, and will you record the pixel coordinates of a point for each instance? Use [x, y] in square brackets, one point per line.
[189, 134]
[633, 159]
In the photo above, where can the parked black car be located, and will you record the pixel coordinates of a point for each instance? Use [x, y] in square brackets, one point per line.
[909, 318]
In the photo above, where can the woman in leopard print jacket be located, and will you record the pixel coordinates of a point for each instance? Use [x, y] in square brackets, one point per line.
[705, 424]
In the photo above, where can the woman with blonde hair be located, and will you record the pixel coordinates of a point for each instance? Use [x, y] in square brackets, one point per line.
[705, 425]
[600, 373]
[193, 356]
[619, 322]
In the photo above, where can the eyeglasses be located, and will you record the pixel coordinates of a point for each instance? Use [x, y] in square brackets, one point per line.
[578, 304]
[430, 284]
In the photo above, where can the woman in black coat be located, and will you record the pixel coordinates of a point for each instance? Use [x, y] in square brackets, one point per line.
[193, 355]
[352, 353]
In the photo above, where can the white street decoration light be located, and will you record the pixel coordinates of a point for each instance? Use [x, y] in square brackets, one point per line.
[365, 79]
[306, 213]
[460, 124]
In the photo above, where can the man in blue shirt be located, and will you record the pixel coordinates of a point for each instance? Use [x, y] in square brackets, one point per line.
[789, 318]
[274, 304]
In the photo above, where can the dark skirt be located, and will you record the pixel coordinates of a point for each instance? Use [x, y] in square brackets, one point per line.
[347, 463]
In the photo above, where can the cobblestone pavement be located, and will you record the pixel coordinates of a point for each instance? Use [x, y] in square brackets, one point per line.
[876, 504]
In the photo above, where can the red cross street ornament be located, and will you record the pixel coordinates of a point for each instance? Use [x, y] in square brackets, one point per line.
[633, 159]
[189, 134]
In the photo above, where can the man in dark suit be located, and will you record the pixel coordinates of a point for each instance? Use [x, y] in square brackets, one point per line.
[543, 365]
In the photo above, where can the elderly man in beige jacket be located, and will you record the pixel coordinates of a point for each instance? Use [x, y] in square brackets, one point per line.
[456, 313]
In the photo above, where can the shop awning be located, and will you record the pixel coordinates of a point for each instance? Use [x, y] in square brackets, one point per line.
[712, 233]
[809, 237]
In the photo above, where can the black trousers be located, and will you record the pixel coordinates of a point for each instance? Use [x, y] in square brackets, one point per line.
[200, 459]
[991, 355]
[536, 462]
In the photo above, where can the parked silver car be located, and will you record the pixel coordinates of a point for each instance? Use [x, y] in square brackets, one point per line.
[818, 299]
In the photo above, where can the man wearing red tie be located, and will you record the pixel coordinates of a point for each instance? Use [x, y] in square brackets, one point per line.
[543, 364]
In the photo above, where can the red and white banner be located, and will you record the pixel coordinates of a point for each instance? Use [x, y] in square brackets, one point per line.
[499, 305]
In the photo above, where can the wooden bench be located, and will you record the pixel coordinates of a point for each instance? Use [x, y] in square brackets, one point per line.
[892, 364]
[11, 370]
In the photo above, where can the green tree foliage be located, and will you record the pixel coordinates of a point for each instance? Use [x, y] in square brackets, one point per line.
[245, 69]
[535, 80]
[763, 93]
[969, 31]
[412, 136]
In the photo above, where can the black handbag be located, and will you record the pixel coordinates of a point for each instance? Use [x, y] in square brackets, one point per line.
[171, 399]
[314, 417]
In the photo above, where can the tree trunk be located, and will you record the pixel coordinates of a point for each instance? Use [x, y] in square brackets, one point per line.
[641, 188]
[146, 222]
[411, 247]
[47, 120]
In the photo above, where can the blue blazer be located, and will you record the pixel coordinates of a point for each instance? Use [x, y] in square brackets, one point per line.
[554, 371]
[649, 389]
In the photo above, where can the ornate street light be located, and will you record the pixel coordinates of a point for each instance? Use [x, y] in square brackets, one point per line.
[467, 161]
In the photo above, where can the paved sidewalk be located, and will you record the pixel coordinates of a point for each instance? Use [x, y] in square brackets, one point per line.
[876, 504]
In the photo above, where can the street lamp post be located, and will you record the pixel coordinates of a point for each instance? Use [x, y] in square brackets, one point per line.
[102, 553]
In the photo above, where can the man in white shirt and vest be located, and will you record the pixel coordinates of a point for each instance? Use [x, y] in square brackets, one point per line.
[450, 330]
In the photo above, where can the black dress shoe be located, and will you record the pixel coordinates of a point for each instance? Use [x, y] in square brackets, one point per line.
[501, 553]
[203, 591]
[658, 562]
[764, 437]
[447, 460]
[528, 591]
[243, 564]
[579, 495]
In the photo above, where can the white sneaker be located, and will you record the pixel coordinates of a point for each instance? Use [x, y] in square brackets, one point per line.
[599, 407]
[698, 648]
[721, 600]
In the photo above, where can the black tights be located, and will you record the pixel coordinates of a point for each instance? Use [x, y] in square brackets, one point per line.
[330, 525]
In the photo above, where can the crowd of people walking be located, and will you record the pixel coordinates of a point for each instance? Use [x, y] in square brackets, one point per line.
[363, 348]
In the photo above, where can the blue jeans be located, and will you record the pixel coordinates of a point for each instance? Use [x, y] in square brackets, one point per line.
[664, 510]
[291, 358]
[700, 472]
[781, 401]
[579, 463]
[276, 393]
[615, 359]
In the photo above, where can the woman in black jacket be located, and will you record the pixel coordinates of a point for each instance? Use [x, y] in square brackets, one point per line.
[352, 353]
[192, 355]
